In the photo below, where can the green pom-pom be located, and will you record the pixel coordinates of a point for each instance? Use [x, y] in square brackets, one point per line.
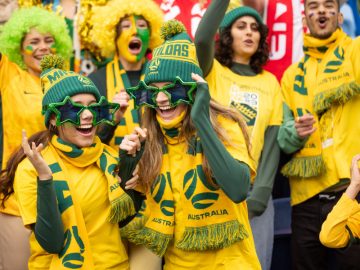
[171, 28]
[51, 61]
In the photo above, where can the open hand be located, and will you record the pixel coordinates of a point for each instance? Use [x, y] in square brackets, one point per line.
[122, 98]
[34, 155]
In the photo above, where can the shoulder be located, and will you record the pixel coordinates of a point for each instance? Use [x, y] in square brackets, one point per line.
[269, 78]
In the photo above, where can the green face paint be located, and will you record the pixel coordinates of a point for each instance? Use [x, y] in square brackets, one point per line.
[53, 48]
[126, 36]
[29, 50]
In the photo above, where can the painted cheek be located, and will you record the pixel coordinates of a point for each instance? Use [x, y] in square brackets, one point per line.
[144, 35]
[29, 50]
[53, 48]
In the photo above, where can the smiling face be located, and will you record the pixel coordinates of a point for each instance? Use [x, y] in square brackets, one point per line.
[246, 37]
[34, 47]
[322, 17]
[164, 110]
[133, 40]
[83, 135]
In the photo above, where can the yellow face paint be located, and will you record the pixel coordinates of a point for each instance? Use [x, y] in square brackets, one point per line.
[28, 50]
[131, 33]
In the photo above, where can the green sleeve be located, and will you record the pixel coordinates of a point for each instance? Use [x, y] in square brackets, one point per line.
[259, 195]
[106, 133]
[205, 33]
[48, 229]
[126, 168]
[229, 173]
[288, 139]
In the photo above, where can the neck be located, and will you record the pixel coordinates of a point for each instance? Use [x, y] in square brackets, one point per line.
[129, 66]
[34, 72]
[241, 60]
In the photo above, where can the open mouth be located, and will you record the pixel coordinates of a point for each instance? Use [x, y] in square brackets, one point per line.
[85, 129]
[322, 21]
[135, 46]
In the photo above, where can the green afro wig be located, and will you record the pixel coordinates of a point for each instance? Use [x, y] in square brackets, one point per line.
[22, 21]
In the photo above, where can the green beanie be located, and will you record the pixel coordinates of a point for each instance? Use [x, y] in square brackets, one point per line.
[236, 13]
[175, 57]
[57, 83]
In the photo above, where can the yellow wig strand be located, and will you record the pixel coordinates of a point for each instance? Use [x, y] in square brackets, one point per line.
[106, 18]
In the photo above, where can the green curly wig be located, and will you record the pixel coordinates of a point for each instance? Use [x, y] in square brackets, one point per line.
[22, 21]
[106, 18]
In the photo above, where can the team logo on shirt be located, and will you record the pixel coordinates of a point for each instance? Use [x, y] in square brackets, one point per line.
[246, 103]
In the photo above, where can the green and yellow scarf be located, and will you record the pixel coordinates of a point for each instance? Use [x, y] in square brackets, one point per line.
[117, 80]
[76, 252]
[333, 84]
[154, 225]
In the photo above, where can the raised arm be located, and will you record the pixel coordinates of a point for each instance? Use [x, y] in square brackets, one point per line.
[205, 33]
[231, 175]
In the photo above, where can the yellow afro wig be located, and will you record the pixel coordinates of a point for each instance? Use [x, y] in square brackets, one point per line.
[106, 18]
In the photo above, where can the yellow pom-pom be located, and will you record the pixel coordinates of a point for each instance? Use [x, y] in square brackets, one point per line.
[51, 61]
[171, 28]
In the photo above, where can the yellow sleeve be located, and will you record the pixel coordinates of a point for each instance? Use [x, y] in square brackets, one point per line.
[277, 112]
[7, 71]
[237, 146]
[333, 232]
[355, 57]
[25, 186]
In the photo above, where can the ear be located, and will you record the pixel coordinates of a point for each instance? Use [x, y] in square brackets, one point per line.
[304, 23]
[52, 120]
[340, 18]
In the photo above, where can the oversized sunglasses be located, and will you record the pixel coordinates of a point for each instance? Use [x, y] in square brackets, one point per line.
[177, 92]
[70, 111]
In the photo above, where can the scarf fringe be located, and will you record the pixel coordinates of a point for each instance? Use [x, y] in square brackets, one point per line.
[304, 167]
[132, 228]
[155, 241]
[215, 236]
[340, 95]
[121, 208]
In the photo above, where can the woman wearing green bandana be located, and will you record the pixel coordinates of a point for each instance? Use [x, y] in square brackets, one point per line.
[65, 179]
[234, 71]
[124, 31]
[195, 168]
[30, 34]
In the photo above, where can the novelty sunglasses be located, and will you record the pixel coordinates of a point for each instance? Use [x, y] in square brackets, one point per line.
[70, 111]
[177, 92]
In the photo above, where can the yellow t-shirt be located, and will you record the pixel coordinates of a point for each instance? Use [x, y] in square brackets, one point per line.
[257, 98]
[346, 212]
[91, 187]
[339, 132]
[241, 255]
[21, 97]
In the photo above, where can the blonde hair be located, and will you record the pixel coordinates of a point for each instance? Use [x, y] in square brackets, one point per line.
[151, 161]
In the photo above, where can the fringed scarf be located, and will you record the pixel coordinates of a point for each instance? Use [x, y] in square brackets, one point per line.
[76, 252]
[209, 216]
[117, 80]
[333, 84]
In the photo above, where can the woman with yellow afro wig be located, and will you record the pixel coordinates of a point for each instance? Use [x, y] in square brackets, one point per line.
[126, 31]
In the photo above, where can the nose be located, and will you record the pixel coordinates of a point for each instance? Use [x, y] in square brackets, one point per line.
[162, 99]
[44, 46]
[86, 115]
[248, 30]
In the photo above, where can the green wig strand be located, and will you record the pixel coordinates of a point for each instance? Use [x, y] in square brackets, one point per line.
[22, 21]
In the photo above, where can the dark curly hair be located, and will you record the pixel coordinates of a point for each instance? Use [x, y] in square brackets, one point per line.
[224, 52]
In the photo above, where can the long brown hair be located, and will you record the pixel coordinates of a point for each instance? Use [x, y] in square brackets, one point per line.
[8, 174]
[151, 161]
